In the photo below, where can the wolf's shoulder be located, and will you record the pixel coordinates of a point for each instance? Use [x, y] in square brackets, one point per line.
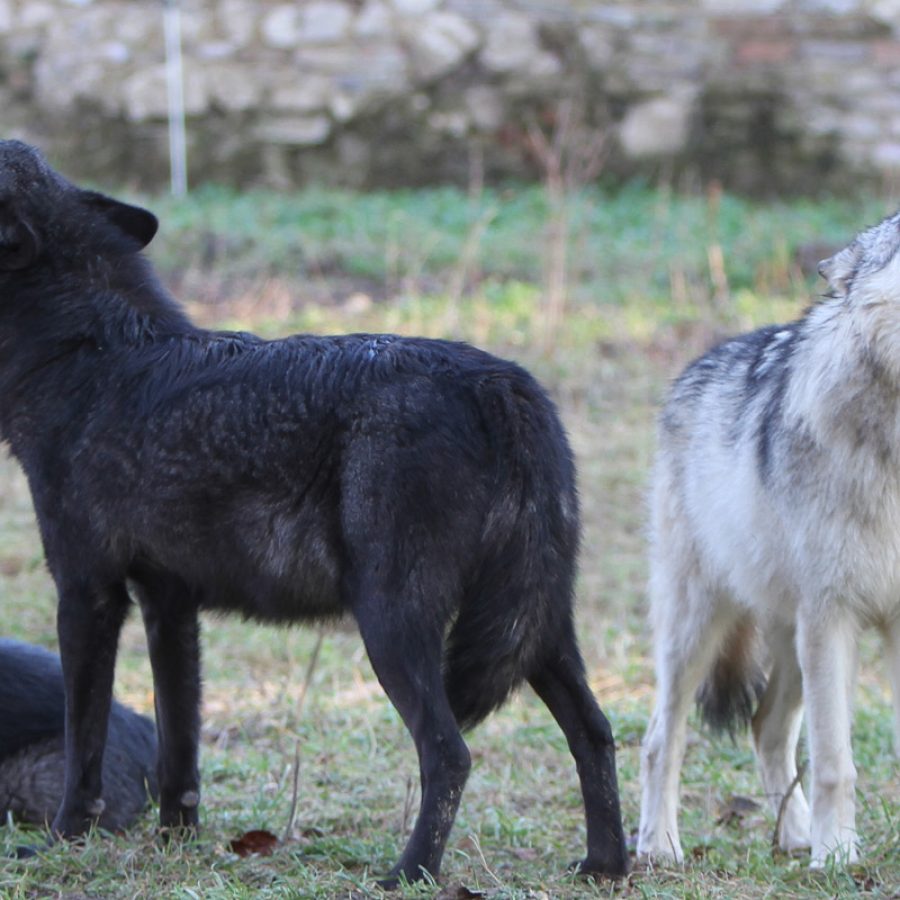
[749, 360]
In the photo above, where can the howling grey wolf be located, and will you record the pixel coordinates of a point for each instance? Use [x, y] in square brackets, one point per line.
[32, 718]
[775, 537]
[422, 487]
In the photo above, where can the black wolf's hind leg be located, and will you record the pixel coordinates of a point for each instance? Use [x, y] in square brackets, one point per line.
[562, 685]
[88, 624]
[406, 657]
[173, 639]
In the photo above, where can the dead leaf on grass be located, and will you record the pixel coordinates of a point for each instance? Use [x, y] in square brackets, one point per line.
[262, 843]
[11, 565]
[736, 809]
[457, 892]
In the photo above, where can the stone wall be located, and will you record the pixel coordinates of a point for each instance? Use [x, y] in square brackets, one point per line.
[763, 94]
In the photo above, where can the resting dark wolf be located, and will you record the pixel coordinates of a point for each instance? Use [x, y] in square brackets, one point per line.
[32, 714]
[422, 487]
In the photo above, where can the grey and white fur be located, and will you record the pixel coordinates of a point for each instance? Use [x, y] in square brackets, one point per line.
[775, 538]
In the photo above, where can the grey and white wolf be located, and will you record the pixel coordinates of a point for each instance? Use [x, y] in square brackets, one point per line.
[424, 488]
[775, 538]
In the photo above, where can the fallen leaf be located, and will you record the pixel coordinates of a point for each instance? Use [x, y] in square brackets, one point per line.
[734, 811]
[457, 892]
[261, 843]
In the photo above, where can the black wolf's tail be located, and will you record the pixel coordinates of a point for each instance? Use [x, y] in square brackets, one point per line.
[729, 695]
[519, 601]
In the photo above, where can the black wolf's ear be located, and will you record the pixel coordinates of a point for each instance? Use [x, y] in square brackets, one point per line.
[137, 223]
[19, 244]
[839, 270]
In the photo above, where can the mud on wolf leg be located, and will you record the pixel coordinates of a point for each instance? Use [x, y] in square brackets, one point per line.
[88, 625]
[173, 641]
[826, 646]
[776, 730]
[561, 684]
[406, 655]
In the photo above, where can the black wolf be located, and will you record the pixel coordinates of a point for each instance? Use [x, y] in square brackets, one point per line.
[32, 716]
[422, 487]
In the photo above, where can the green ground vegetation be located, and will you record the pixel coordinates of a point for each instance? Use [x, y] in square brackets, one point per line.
[649, 277]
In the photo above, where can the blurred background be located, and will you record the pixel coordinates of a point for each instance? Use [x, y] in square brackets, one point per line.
[597, 190]
[765, 95]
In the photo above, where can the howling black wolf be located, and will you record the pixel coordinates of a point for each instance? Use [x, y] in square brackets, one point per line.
[422, 487]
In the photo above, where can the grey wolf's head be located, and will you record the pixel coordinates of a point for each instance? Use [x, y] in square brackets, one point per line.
[42, 214]
[869, 253]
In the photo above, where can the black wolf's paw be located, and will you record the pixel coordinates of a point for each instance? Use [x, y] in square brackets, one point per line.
[180, 818]
[27, 851]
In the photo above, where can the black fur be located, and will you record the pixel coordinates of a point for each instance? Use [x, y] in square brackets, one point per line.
[32, 716]
[423, 487]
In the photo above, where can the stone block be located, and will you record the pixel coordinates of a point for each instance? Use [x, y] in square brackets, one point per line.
[373, 21]
[765, 52]
[743, 7]
[414, 7]
[886, 53]
[227, 85]
[886, 155]
[485, 107]
[290, 25]
[438, 42]
[657, 127]
[301, 93]
[144, 95]
[301, 131]
[512, 47]
[886, 11]
[599, 44]
[237, 21]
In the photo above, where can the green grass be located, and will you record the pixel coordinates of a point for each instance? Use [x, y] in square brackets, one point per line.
[629, 326]
[626, 243]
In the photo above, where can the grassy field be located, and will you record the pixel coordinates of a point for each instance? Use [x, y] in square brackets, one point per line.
[651, 278]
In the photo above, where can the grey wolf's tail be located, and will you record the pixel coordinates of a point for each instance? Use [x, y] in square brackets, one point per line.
[517, 610]
[728, 697]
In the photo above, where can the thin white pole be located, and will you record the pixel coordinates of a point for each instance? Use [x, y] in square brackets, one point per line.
[175, 93]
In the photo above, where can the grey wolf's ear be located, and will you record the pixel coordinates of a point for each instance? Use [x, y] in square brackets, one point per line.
[838, 270]
[137, 223]
[19, 244]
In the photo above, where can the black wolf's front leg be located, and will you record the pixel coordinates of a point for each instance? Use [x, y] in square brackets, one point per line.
[173, 639]
[88, 623]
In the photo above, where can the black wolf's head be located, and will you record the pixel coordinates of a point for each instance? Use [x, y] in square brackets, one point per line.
[43, 217]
